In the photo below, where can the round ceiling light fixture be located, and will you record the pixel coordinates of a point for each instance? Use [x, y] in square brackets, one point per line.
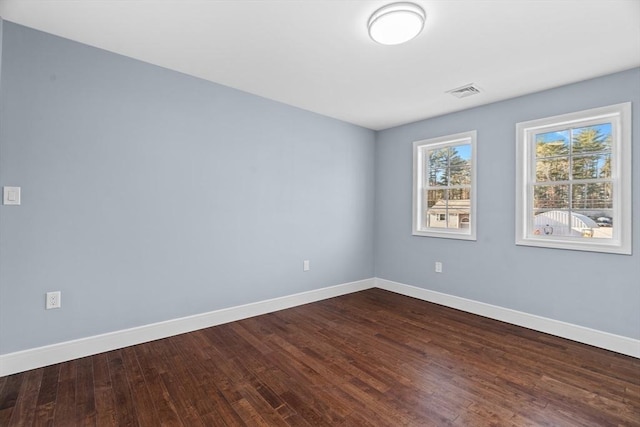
[396, 23]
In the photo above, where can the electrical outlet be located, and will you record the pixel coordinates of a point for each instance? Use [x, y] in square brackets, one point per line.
[53, 300]
[438, 267]
[305, 265]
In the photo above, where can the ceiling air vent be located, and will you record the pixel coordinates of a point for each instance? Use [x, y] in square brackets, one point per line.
[464, 91]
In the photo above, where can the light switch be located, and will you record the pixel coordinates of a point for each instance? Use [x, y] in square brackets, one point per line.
[11, 195]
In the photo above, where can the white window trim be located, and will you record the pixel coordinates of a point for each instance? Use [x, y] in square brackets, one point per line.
[620, 116]
[418, 181]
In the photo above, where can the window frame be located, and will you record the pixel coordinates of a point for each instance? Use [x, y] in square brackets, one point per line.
[619, 116]
[463, 138]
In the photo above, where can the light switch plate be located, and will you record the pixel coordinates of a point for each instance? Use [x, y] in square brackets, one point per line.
[11, 195]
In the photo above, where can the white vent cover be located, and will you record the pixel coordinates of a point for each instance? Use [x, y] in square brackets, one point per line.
[464, 91]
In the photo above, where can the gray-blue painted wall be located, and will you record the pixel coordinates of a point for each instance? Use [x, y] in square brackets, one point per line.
[599, 291]
[149, 195]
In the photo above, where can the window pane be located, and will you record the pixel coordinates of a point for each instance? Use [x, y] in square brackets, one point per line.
[436, 166]
[460, 194]
[460, 175]
[592, 167]
[436, 214]
[433, 196]
[459, 209]
[564, 223]
[460, 164]
[550, 197]
[591, 197]
[552, 144]
[551, 223]
[605, 224]
[460, 153]
[449, 166]
[437, 178]
[438, 159]
[448, 208]
[591, 139]
[552, 169]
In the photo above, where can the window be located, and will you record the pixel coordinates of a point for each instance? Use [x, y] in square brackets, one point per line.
[444, 186]
[573, 183]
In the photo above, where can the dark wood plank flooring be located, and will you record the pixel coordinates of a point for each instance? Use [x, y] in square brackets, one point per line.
[372, 358]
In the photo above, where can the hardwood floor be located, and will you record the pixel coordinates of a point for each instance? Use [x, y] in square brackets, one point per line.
[373, 358]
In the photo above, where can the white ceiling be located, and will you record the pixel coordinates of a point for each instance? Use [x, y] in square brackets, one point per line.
[316, 54]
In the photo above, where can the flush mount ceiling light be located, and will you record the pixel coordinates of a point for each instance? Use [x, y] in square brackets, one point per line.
[396, 23]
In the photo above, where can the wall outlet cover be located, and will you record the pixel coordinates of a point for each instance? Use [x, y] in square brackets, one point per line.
[11, 195]
[53, 300]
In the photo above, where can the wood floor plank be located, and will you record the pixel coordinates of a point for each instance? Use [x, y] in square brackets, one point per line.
[85, 393]
[125, 409]
[371, 358]
[25, 410]
[143, 401]
[152, 368]
[65, 407]
[178, 382]
[103, 393]
[206, 397]
[45, 409]
[208, 378]
[9, 395]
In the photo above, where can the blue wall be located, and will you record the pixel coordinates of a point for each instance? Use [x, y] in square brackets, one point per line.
[599, 291]
[149, 195]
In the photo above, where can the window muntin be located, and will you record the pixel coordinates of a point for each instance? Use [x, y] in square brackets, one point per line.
[444, 186]
[574, 177]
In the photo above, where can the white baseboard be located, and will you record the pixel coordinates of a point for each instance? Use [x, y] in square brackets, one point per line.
[56, 353]
[617, 343]
[48, 355]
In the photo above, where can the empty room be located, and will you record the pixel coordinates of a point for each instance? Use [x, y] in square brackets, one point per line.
[320, 213]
